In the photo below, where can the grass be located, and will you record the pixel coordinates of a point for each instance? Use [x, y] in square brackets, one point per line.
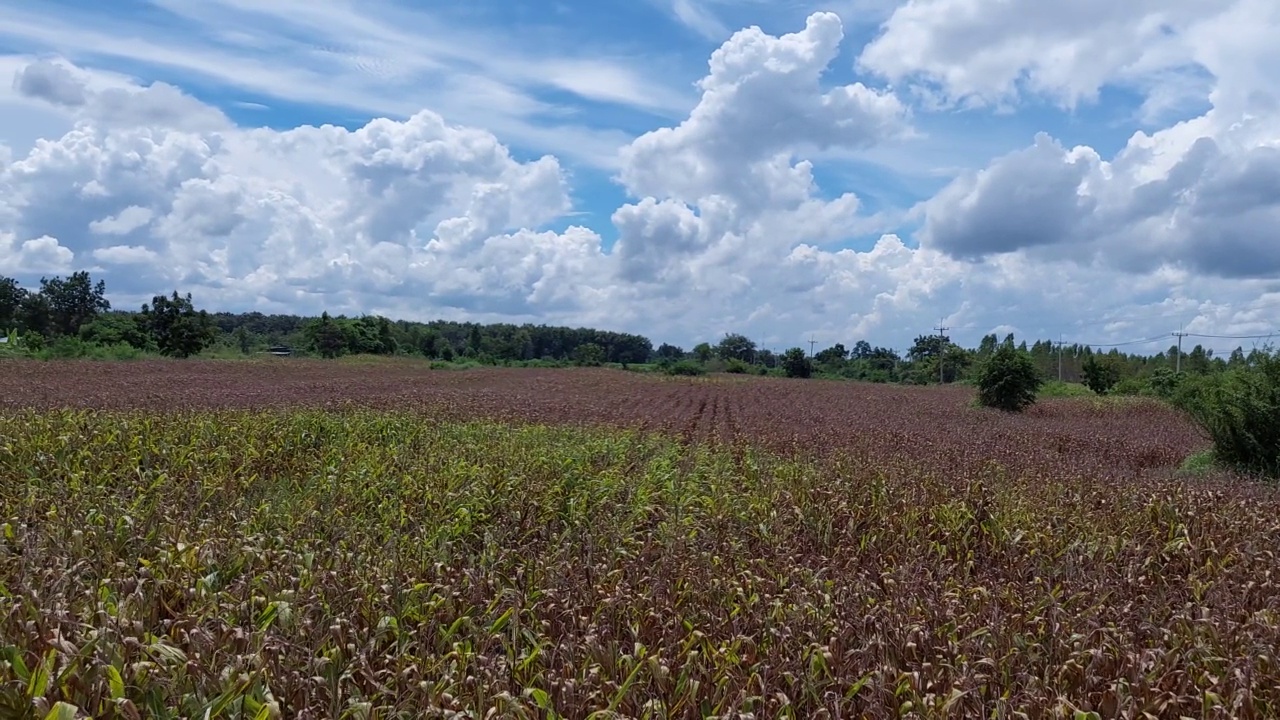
[1059, 389]
[1199, 463]
[362, 564]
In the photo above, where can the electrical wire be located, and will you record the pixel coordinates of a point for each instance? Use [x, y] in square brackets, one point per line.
[1230, 337]
[1146, 341]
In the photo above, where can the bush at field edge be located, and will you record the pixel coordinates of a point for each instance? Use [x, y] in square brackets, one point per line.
[1240, 411]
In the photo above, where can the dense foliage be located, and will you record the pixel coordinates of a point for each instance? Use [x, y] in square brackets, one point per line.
[1100, 375]
[1240, 411]
[71, 318]
[1008, 379]
[795, 364]
[179, 330]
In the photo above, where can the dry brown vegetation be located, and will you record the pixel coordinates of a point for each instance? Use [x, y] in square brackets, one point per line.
[930, 426]
[330, 539]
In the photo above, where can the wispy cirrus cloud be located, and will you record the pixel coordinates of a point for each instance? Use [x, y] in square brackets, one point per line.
[699, 18]
[381, 59]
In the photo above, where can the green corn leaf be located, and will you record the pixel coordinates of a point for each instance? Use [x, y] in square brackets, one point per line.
[115, 682]
[62, 711]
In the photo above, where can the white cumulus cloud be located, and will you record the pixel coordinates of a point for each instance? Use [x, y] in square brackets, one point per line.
[36, 256]
[728, 224]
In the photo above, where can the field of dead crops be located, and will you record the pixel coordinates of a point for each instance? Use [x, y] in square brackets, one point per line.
[315, 540]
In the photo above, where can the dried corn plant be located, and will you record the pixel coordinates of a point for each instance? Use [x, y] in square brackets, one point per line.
[311, 541]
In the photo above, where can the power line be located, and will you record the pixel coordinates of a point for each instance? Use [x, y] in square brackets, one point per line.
[1231, 337]
[1145, 341]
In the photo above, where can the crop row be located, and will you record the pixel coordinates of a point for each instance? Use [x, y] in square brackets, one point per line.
[930, 429]
[358, 563]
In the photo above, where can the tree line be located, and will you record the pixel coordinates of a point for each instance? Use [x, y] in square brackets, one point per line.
[936, 359]
[68, 315]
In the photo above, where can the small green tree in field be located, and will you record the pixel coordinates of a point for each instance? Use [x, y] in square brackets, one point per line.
[1100, 376]
[1008, 380]
[178, 329]
[795, 364]
[1240, 411]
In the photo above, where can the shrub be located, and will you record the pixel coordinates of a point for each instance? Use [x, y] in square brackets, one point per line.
[795, 364]
[737, 367]
[73, 348]
[1100, 376]
[1130, 386]
[32, 341]
[588, 355]
[1240, 411]
[1165, 383]
[684, 367]
[1008, 380]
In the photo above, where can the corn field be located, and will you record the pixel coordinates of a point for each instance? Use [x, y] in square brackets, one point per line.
[393, 543]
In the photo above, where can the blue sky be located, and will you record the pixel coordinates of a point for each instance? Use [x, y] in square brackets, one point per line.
[999, 166]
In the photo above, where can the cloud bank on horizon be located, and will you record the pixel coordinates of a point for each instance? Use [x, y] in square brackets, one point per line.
[1098, 171]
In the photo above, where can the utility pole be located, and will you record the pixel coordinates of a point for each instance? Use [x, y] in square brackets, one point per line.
[1059, 358]
[812, 342]
[942, 350]
[1178, 363]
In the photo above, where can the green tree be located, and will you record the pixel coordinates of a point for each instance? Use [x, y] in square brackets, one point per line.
[34, 315]
[179, 330]
[736, 346]
[589, 354]
[387, 343]
[795, 364]
[988, 345]
[927, 346]
[1165, 382]
[11, 296]
[429, 344]
[522, 345]
[116, 328]
[936, 359]
[326, 336]
[835, 354]
[670, 352]
[73, 302]
[702, 351]
[1100, 375]
[956, 362]
[1197, 361]
[1008, 380]
[242, 339]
